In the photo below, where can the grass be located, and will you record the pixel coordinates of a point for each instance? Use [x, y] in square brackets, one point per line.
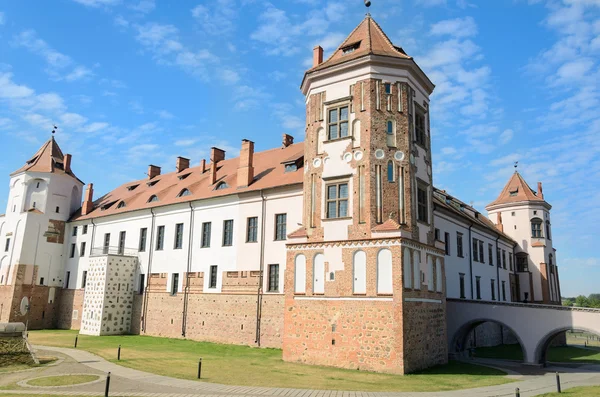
[246, 366]
[563, 354]
[589, 391]
[581, 338]
[63, 380]
[20, 367]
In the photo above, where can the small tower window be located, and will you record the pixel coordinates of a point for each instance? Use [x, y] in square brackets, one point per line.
[388, 88]
[391, 134]
[536, 228]
[548, 230]
[153, 198]
[57, 210]
[121, 205]
[221, 186]
[390, 171]
[184, 192]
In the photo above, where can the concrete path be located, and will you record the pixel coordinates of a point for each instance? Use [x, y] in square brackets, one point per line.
[131, 382]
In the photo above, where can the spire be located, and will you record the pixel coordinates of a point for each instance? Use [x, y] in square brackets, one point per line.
[516, 190]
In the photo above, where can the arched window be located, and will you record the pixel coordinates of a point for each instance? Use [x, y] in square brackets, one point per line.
[390, 171]
[300, 274]
[391, 134]
[406, 268]
[184, 192]
[319, 274]
[384, 272]
[153, 198]
[121, 205]
[417, 269]
[438, 275]
[548, 230]
[222, 185]
[536, 228]
[359, 264]
[430, 285]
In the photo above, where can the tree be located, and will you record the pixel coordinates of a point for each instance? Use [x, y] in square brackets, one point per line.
[582, 301]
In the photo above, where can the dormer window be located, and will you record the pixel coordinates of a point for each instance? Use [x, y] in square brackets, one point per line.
[514, 191]
[153, 198]
[132, 187]
[184, 192]
[32, 160]
[121, 205]
[182, 177]
[221, 186]
[152, 183]
[291, 167]
[349, 49]
[107, 206]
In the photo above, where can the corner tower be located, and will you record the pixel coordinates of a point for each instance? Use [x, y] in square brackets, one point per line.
[365, 253]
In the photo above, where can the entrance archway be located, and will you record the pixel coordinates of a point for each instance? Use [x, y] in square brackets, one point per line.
[464, 340]
[559, 338]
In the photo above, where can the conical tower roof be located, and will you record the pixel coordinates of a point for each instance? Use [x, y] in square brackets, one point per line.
[516, 190]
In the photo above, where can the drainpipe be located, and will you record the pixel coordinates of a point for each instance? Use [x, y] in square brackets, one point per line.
[187, 275]
[497, 269]
[262, 266]
[145, 309]
[470, 248]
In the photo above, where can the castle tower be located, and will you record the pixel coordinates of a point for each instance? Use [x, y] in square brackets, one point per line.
[364, 257]
[43, 195]
[524, 214]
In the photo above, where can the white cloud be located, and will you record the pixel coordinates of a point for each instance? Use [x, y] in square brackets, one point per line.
[506, 136]
[8, 89]
[121, 21]
[247, 97]
[98, 3]
[430, 3]
[163, 114]
[289, 117]
[29, 40]
[229, 76]
[5, 122]
[136, 107]
[144, 6]
[79, 73]
[459, 27]
[49, 101]
[72, 119]
[218, 18]
[185, 142]
[2, 18]
[93, 127]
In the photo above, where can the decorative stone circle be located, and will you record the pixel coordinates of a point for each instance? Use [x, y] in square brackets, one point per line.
[348, 157]
[317, 163]
[399, 155]
[379, 154]
[326, 160]
[25, 383]
[358, 155]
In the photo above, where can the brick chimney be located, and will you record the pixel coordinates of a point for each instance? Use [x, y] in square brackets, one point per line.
[202, 166]
[499, 225]
[182, 163]
[540, 193]
[88, 201]
[67, 163]
[153, 171]
[216, 155]
[317, 56]
[245, 173]
[287, 140]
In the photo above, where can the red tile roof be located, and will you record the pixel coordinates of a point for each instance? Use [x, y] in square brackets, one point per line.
[298, 233]
[388, 226]
[268, 173]
[49, 158]
[516, 190]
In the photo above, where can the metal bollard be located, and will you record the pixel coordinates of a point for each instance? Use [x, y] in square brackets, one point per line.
[76, 342]
[107, 385]
[517, 392]
[558, 383]
[119, 354]
[199, 367]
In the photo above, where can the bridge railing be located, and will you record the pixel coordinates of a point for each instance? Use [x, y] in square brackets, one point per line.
[531, 305]
[119, 251]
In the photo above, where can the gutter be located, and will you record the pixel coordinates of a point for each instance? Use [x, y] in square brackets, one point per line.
[151, 251]
[259, 291]
[187, 276]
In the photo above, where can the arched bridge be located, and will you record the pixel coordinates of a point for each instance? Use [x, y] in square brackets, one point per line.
[535, 326]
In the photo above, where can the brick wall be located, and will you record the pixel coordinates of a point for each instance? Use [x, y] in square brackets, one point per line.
[70, 309]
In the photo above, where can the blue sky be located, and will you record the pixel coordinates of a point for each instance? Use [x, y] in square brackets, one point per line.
[133, 82]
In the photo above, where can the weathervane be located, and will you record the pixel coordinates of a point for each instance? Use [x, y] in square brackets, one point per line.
[54, 130]
[367, 4]
[516, 165]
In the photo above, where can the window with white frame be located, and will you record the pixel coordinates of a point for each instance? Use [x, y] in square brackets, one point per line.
[337, 200]
[337, 123]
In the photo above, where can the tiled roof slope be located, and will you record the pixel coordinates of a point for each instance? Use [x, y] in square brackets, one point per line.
[269, 172]
[516, 190]
[49, 158]
[387, 226]
[457, 207]
[370, 39]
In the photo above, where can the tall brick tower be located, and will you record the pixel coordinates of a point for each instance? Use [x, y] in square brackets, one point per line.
[364, 280]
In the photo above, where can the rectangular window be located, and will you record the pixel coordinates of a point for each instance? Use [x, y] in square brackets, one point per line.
[178, 243]
[504, 291]
[273, 278]
[74, 231]
[462, 286]
[72, 254]
[82, 249]
[498, 257]
[536, 229]
[106, 243]
[481, 253]
[252, 230]
[459, 245]
[490, 255]
[174, 283]
[142, 284]
[84, 231]
[83, 278]
[212, 283]
[228, 233]
[122, 243]
[478, 286]
[7, 245]
[420, 127]
[67, 279]
[493, 289]
[337, 200]
[475, 250]
[522, 263]
[504, 259]
[160, 238]
[388, 88]
[280, 226]
[437, 234]
[205, 243]
[338, 122]
[447, 242]
[510, 261]
[143, 235]
[422, 208]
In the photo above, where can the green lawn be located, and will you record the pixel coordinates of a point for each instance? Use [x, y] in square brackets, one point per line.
[63, 380]
[590, 391]
[241, 365]
[563, 354]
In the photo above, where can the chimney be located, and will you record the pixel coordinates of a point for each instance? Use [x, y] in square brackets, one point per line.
[67, 162]
[287, 140]
[317, 56]
[202, 166]
[153, 171]
[182, 163]
[88, 201]
[499, 225]
[245, 173]
[216, 155]
[540, 193]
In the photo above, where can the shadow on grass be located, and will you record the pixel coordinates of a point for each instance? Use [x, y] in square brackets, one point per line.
[460, 368]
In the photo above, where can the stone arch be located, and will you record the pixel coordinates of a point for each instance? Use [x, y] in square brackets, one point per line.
[75, 199]
[36, 196]
[459, 339]
[321, 137]
[544, 343]
[385, 283]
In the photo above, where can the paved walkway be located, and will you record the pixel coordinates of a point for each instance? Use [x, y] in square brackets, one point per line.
[131, 382]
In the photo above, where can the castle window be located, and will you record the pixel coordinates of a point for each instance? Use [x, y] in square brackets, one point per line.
[491, 256]
[337, 126]
[475, 250]
[228, 233]
[447, 243]
[504, 291]
[106, 243]
[205, 243]
[388, 88]
[422, 207]
[212, 282]
[420, 127]
[85, 228]
[280, 226]
[222, 185]
[121, 248]
[337, 200]
[57, 210]
[252, 230]
[142, 243]
[493, 289]
[132, 187]
[178, 244]
[152, 183]
[7, 245]
[82, 249]
[478, 286]
[390, 171]
[83, 278]
[174, 283]
[72, 254]
[462, 286]
[548, 230]
[503, 259]
[153, 198]
[273, 278]
[160, 238]
[459, 245]
[522, 262]
[536, 228]
[184, 192]
[74, 231]
[391, 134]
[121, 205]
